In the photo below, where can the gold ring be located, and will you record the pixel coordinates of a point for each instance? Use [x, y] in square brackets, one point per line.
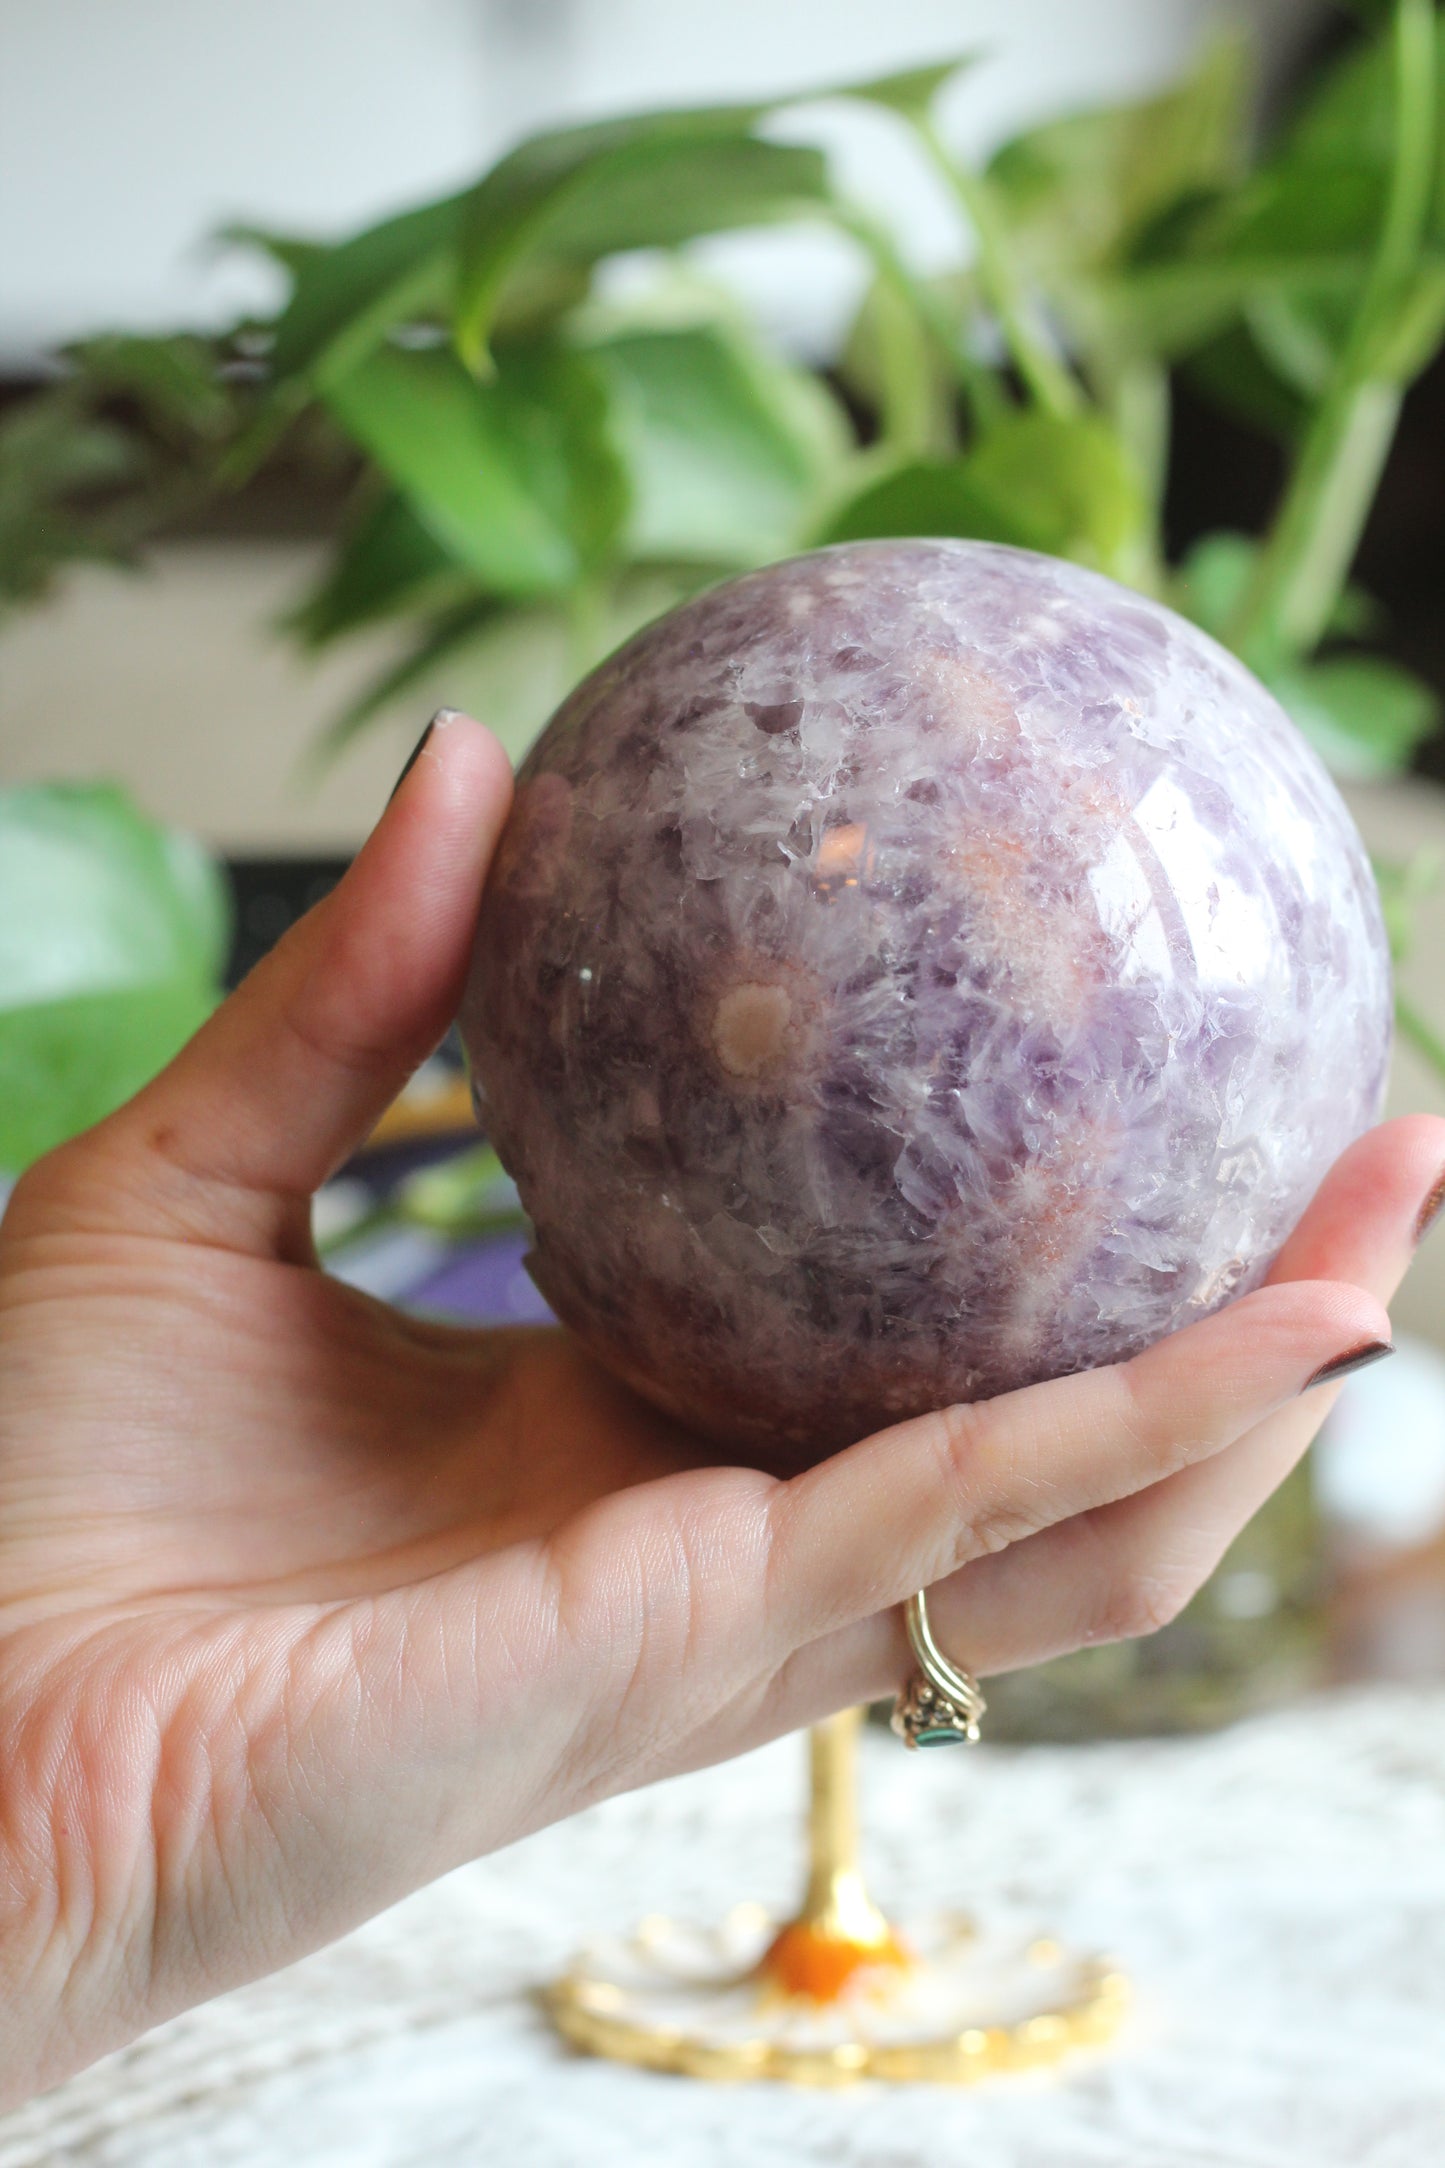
[941, 1705]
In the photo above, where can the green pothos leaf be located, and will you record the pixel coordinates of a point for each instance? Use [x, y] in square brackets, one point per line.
[390, 562]
[112, 938]
[909, 91]
[1363, 715]
[346, 298]
[653, 181]
[1062, 485]
[1077, 192]
[1212, 582]
[516, 479]
[727, 448]
[65, 1065]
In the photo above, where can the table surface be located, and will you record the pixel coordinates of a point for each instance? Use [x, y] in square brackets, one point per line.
[1277, 1893]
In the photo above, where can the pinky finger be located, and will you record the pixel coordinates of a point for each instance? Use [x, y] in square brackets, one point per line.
[1114, 1574]
[1126, 1568]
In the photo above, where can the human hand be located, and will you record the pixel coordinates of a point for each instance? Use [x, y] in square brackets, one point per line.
[303, 1602]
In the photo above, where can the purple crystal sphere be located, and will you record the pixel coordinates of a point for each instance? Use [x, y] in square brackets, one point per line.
[911, 971]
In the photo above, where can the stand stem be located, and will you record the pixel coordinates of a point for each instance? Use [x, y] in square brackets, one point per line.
[836, 1903]
[839, 1931]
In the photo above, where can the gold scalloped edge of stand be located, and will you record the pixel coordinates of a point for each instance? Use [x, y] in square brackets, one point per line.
[577, 2005]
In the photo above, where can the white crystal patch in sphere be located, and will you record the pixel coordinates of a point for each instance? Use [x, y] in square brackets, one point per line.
[910, 971]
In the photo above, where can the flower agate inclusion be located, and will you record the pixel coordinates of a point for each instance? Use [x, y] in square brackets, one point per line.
[910, 971]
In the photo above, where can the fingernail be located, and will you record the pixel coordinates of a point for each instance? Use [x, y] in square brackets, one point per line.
[1344, 1366]
[1430, 1210]
[439, 721]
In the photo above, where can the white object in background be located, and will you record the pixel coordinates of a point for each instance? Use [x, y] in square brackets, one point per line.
[130, 130]
[389, 1263]
[337, 1208]
[1379, 1466]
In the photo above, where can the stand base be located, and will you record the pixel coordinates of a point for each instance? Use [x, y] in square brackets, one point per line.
[962, 2005]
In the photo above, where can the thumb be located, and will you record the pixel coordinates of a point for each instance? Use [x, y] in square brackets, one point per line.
[291, 1073]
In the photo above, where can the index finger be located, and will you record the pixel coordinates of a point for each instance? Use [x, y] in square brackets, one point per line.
[292, 1072]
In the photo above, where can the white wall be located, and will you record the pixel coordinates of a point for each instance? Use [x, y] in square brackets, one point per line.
[131, 129]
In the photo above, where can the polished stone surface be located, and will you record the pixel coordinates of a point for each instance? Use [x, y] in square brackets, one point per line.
[910, 971]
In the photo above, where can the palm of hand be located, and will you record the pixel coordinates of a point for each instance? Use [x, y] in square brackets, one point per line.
[269, 1435]
[279, 1480]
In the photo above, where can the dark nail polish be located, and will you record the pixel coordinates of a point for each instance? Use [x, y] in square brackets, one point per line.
[1344, 1366]
[1431, 1209]
[443, 715]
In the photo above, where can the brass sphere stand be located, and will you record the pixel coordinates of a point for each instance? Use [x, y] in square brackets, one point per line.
[834, 1995]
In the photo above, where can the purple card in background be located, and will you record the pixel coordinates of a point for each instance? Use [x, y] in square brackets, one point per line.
[383, 1227]
[483, 1283]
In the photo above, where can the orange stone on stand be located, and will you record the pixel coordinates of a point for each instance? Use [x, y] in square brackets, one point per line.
[809, 1964]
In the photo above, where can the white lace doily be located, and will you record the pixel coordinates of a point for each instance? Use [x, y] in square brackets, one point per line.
[1276, 1892]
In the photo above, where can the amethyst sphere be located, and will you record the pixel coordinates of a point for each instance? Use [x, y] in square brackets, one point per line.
[911, 971]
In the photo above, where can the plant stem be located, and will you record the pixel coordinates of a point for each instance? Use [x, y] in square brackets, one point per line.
[836, 1901]
[1138, 403]
[1048, 381]
[983, 396]
[910, 423]
[1133, 391]
[1306, 560]
[1421, 1033]
[1307, 557]
[586, 605]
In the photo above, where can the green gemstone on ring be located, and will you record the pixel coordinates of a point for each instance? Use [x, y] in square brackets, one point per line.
[938, 1735]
